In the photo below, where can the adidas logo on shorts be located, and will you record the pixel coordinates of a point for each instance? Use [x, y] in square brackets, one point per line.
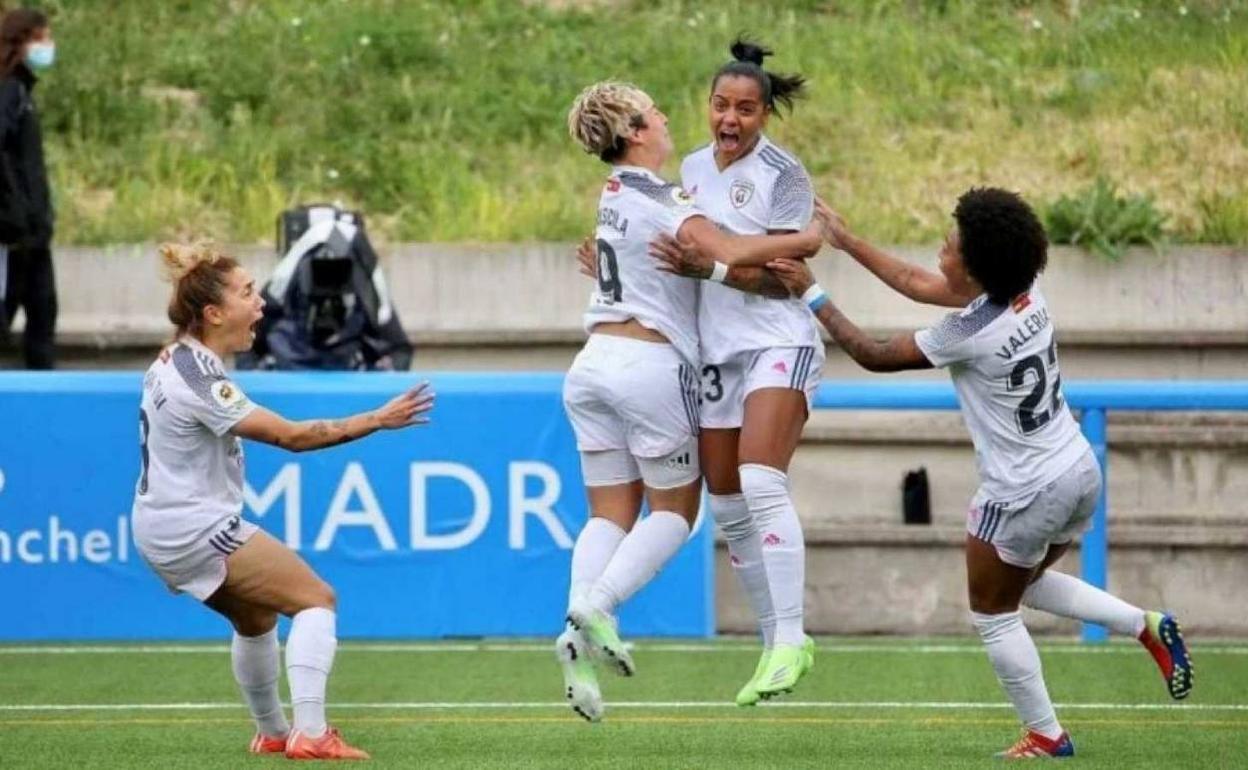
[682, 460]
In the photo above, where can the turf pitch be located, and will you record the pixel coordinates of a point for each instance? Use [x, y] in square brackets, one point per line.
[868, 703]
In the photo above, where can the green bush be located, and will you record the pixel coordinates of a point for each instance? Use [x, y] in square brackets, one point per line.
[1104, 222]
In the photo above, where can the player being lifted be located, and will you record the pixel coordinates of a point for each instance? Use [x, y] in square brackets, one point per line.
[1039, 480]
[188, 501]
[761, 359]
[631, 394]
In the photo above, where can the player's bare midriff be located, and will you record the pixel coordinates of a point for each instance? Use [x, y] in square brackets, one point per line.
[631, 328]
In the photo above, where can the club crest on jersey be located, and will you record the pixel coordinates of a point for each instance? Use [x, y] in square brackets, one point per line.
[681, 197]
[740, 192]
[226, 394]
[613, 185]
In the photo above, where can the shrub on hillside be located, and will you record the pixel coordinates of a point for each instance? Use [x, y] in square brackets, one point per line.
[1101, 220]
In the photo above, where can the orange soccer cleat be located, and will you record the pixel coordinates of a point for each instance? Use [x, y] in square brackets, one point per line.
[329, 745]
[267, 744]
[1035, 746]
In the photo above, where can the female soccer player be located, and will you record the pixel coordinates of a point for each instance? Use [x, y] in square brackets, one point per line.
[631, 394]
[761, 362]
[1039, 478]
[188, 502]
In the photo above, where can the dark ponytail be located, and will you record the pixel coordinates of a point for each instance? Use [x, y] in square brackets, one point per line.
[747, 61]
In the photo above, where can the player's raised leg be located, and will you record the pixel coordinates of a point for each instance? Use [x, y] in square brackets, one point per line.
[1068, 596]
[614, 491]
[652, 542]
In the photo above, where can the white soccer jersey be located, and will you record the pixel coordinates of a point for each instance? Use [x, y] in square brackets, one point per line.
[1003, 359]
[766, 190]
[191, 474]
[636, 205]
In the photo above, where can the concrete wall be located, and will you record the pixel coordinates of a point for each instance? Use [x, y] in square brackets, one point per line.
[912, 580]
[531, 293]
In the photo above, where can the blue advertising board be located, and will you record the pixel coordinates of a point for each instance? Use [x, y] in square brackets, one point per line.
[460, 528]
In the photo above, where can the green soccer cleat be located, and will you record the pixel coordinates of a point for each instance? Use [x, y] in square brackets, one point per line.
[808, 650]
[787, 664]
[599, 631]
[748, 694]
[580, 681]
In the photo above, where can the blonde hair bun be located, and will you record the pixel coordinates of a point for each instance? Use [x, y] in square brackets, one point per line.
[179, 259]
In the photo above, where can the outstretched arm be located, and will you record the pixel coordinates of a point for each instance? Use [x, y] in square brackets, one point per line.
[893, 355]
[908, 279]
[400, 412]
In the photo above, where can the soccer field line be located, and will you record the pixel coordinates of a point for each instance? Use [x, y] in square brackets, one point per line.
[435, 647]
[657, 705]
[430, 719]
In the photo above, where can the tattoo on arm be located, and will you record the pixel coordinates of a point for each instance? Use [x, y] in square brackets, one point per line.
[756, 280]
[896, 354]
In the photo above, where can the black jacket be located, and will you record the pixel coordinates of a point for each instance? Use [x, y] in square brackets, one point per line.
[26, 215]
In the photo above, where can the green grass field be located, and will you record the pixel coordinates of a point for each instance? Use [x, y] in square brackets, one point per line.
[444, 120]
[868, 703]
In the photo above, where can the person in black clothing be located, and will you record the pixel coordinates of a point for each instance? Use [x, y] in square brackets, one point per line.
[26, 215]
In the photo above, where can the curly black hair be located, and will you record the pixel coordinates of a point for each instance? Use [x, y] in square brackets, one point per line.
[1003, 243]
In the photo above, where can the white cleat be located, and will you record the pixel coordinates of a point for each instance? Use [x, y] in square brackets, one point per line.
[580, 681]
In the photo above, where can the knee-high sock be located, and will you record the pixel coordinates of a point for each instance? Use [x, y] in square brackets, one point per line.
[1070, 597]
[1017, 663]
[641, 554]
[309, 658]
[745, 551]
[257, 669]
[766, 492]
[592, 553]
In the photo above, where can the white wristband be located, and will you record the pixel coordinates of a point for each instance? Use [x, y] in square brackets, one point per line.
[814, 297]
[718, 273]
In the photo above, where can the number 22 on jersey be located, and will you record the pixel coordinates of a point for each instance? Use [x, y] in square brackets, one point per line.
[1027, 416]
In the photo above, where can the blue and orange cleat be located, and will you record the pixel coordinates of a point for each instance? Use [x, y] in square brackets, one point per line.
[267, 744]
[329, 745]
[1033, 745]
[1163, 638]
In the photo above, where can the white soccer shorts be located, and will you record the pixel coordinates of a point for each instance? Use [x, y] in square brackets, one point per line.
[1022, 530]
[200, 569]
[627, 394]
[725, 386]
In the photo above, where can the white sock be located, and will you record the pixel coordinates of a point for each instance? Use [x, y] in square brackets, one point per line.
[1070, 597]
[257, 668]
[591, 554]
[745, 551]
[642, 553]
[1014, 657]
[310, 650]
[766, 492]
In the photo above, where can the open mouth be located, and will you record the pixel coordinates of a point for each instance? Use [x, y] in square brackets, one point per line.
[728, 140]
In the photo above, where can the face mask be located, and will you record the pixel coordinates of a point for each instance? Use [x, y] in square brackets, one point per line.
[40, 55]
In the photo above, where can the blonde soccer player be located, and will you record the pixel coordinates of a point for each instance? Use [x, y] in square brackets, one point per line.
[632, 392]
[188, 502]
